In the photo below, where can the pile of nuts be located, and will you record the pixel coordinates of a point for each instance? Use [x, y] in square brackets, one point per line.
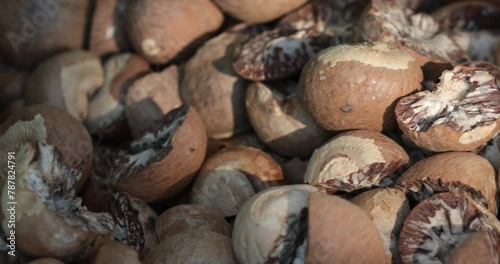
[250, 131]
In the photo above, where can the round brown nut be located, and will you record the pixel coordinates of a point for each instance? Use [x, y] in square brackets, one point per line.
[52, 126]
[35, 30]
[189, 217]
[452, 172]
[67, 81]
[258, 11]
[480, 247]
[354, 160]
[150, 98]
[281, 122]
[369, 79]
[159, 44]
[388, 209]
[163, 162]
[461, 114]
[212, 87]
[231, 176]
[50, 221]
[116, 252]
[194, 247]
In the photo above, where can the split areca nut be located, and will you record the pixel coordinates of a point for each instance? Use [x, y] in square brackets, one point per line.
[452, 172]
[480, 247]
[163, 162]
[106, 116]
[363, 100]
[189, 217]
[280, 120]
[258, 11]
[116, 252]
[354, 160]
[67, 81]
[151, 97]
[231, 176]
[461, 114]
[436, 225]
[160, 44]
[388, 208]
[135, 222]
[50, 221]
[53, 126]
[194, 247]
[212, 87]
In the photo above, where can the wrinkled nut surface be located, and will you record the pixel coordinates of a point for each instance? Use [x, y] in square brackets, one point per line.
[480, 247]
[182, 22]
[50, 221]
[369, 79]
[388, 209]
[258, 11]
[436, 225]
[189, 217]
[212, 87]
[452, 172]
[461, 114]
[67, 81]
[151, 97]
[163, 162]
[233, 175]
[280, 120]
[354, 160]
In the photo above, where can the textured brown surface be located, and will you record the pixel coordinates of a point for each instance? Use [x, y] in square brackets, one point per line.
[116, 252]
[258, 11]
[481, 247]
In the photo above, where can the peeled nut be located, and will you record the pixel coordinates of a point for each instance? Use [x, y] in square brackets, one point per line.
[480, 247]
[182, 22]
[231, 176]
[452, 172]
[280, 120]
[354, 160]
[369, 80]
[67, 81]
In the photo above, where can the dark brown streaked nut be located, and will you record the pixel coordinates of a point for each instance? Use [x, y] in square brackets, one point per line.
[354, 160]
[231, 176]
[369, 79]
[468, 16]
[480, 247]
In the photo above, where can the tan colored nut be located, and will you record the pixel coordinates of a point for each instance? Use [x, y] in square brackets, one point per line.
[163, 162]
[388, 209]
[480, 247]
[67, 81]
[52, 126]
[50, 220]
[369, 79]
[116, 252]
[212, 87]
[106, 116]
[182, 22]
[150, 98]
[280, 120]
[36, 30]
[231, 176]
[258, 11]
[189, 217]
[354, 160]
[452, 172]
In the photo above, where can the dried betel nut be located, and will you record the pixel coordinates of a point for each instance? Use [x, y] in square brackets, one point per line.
[53, 126]
[116, 252]
[258, 11]
[436, 225]
[134, 221]
[280, 120]
[452, 172]
[212, 87]
[363, 100]
[231, 176]
[163, 162]
[189, 217]
[50, 221]
[388, 209]
[183, 24]
[479, 247]
[67, 81]
[460, 114]
[150, 98]
[354, 160]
